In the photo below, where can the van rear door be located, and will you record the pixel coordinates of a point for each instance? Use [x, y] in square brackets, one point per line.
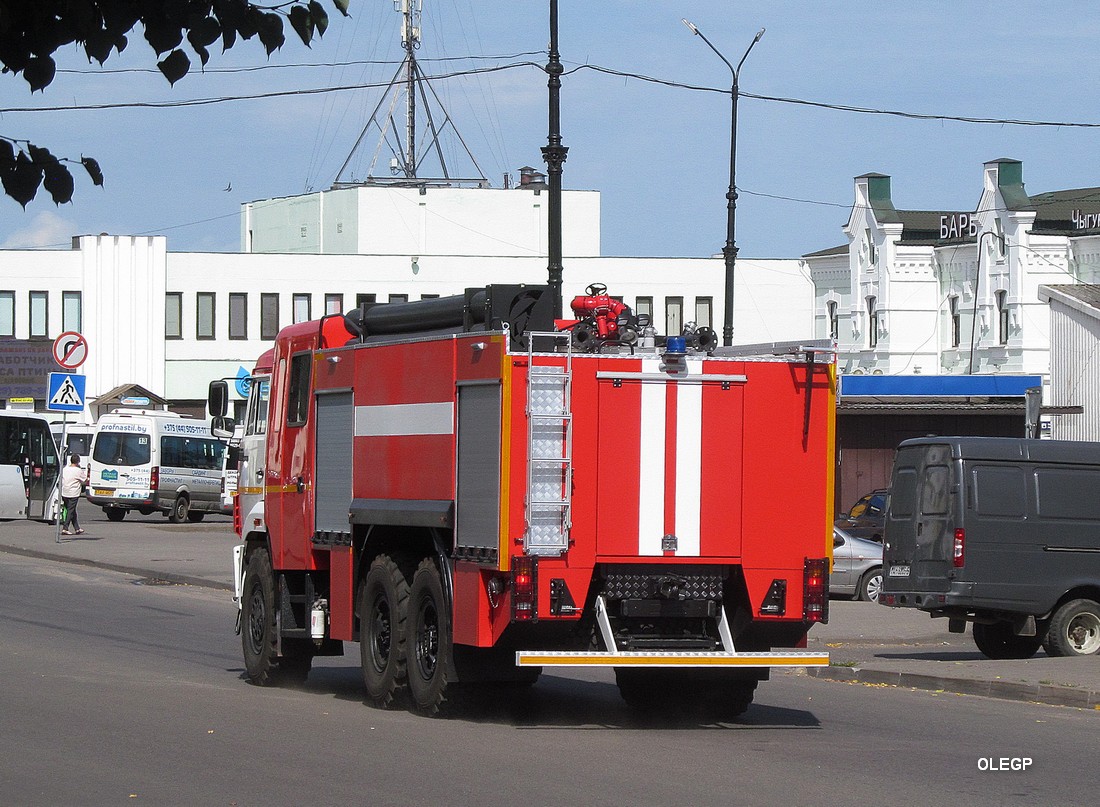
[919, 534]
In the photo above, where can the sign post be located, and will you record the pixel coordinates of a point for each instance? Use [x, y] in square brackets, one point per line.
[65, 393]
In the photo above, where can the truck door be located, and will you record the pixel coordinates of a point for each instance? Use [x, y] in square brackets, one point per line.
[290, 469]
[919, 524]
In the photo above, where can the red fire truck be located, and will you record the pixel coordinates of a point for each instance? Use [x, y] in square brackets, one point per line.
[473, 491]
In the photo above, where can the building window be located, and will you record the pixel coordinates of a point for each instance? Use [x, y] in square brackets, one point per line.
[956, 320]
[70, 311]
[334, 304]
[703, 312]
[832, 312]
[644, 305]
[269, 316]
[238, 315]
[1002, 317]
[173, 315]
[204, 323]
[872, 255]
[674, 316]
[998, 241]
[39, 313]
[872, 322]
[399, 298]
[7, 313]
[360, 299]
[301, 305]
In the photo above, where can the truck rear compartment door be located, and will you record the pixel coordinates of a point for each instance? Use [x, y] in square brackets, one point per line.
[920, 530]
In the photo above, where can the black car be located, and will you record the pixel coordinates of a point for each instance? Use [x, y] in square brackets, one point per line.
[866, 517]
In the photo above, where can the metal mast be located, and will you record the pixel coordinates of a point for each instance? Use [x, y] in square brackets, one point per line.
[406, 162]
[554, 153]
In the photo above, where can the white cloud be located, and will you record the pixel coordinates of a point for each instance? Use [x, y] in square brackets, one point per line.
[46, 229]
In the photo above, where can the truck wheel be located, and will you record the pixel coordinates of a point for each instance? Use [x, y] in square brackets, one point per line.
[180, 508]
[258, 619]
[195, 516]
[429, 640]
[1074, 629]
[997, 641]
[870, 585]
[383, 607]
[114, 513]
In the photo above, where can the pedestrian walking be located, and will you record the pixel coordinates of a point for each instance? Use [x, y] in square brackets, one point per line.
[73, 480]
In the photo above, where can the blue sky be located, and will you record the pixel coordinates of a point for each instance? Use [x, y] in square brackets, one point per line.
[658, 154]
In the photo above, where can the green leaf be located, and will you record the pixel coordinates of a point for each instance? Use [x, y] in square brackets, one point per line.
[39, 72]
[162, 35]
[271, 32]
[342, 6]
[174, 66]
[204, 33]
[320, 17]
[59, 182]
[92, 167]
[22, 180]
[302, 24]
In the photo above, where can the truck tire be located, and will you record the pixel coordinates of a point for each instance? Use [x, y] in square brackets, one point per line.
[870, 585]
[1074, 629]
[180, 507]
[429, 640]
[114, 513]
[383, 609]
[998, 641]
[258, 636]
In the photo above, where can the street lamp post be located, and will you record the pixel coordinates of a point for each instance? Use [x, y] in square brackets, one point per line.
[729, 251]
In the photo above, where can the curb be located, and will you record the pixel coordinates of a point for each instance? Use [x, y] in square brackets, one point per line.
[1050, 694]
[179, 579]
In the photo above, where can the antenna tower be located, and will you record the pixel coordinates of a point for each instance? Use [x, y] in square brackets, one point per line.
[406, 163]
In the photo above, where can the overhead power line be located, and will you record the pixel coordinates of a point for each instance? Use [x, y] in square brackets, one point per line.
[596, 68]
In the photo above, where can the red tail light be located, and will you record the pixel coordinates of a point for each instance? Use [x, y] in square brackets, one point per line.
[958, 554]
[524, 588]
[154, 478]
[815, 598]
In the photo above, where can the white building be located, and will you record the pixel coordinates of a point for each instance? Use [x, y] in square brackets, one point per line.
[937, 314]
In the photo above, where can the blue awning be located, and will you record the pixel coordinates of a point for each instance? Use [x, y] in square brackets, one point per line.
[937, 386]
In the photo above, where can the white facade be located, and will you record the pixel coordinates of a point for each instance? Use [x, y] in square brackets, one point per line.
[930, 292]
[409, 221]
[1074, 360]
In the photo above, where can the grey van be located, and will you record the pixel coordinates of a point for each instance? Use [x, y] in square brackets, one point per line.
[1000, 532]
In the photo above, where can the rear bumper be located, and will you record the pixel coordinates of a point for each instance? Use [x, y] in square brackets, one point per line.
[565, 658]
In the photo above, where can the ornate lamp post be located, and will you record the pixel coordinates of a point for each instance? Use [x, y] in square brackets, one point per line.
[729, 251]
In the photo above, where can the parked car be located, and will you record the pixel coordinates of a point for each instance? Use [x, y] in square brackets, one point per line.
[857, 567]
[867, 517]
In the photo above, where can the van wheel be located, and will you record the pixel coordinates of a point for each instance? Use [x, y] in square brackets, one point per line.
[870, 585]
[180, 509]
[997, 641]
[1074, 629]
[195, 516]
[114, 513]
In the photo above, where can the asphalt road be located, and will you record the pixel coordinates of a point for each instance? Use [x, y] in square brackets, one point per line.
[118, 689]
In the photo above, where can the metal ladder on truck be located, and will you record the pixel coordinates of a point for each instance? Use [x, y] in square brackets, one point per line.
[549, 446]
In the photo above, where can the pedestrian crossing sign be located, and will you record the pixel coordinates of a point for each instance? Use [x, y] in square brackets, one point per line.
[66, 392]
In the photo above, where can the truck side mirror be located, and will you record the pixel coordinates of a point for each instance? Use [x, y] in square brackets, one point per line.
[222, 427]
[217, 398]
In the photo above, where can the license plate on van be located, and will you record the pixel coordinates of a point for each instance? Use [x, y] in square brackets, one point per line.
[899, 571]
[103, 492]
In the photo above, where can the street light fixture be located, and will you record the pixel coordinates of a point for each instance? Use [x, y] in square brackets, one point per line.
[729, 251]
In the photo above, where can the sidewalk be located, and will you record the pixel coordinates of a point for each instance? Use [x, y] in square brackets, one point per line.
[869, 644]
